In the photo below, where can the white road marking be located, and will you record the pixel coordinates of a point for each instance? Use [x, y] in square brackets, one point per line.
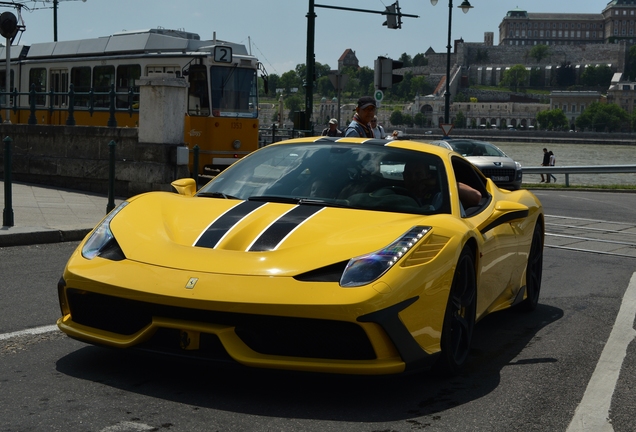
[592, 414]
[29, 332]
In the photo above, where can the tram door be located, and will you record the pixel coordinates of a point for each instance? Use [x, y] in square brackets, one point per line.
[59, 86]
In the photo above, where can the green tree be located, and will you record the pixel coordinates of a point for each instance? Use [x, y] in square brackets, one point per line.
[603, 117]
[630, 64]
[515, 77]
[419, 119]
[397, 118]
[539, 52]
[293, 103]
[554, 119]
[406, 60]
[460, 120]
[420, 60]
[290, 80]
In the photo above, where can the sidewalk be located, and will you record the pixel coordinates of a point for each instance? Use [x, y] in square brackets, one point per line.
[44, 214]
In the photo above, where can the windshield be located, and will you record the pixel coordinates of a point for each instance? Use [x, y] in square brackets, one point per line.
[336, 174]
[476, 148]
[233, 92]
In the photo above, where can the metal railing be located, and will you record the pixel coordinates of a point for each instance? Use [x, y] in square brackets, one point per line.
[91, 101]
[583, 169]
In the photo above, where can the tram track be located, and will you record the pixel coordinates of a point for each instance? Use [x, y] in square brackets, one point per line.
[591, 236]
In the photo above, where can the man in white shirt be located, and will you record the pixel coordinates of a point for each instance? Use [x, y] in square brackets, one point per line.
[378, 131]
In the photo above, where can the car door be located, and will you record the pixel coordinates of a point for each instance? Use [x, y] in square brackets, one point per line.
[498, 255]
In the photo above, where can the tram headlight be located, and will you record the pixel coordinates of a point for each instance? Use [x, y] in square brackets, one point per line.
[236, 144]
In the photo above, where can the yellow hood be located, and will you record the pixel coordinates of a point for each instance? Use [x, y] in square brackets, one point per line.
[250, 238]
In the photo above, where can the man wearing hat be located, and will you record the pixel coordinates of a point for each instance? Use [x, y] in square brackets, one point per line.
[332, 130]
[360, 125]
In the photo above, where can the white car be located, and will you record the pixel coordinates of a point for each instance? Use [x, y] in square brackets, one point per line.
[490, 159]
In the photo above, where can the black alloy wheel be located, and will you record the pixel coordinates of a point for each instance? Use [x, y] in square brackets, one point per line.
[534, 270]
[459, 319]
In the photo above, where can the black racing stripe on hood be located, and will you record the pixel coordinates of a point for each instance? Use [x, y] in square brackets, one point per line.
[217, 229]
[280, 229]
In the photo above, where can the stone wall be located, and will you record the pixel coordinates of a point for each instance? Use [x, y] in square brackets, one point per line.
[78, 157]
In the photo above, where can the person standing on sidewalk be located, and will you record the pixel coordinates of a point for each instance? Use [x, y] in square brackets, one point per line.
[378, 130]
[360, 126]
[332, 130]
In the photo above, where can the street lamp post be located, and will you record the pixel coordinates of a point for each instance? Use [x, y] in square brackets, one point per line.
[465, 7]
[55, 4]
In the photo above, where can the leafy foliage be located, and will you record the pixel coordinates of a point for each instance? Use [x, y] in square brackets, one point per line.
[554, 119]
[603, 117]
[515, 77]
[539, 52]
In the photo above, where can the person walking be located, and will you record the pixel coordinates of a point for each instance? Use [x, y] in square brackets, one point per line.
[552, 163]
[545, 162]
[360, 126]
[332, 130]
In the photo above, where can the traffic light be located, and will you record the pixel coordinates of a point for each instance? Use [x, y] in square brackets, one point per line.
[393, 16]
[384, 77]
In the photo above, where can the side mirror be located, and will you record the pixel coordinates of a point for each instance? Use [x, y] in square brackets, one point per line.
[185, 186]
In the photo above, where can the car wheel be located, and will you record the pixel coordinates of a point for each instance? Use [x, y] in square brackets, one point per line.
[534, 271]
[459, 319]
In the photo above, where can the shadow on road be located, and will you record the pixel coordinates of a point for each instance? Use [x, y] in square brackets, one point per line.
[498, 341]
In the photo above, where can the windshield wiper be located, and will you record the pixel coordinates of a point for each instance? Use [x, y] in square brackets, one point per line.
[322, 202]
[216, 195]
[297, 200]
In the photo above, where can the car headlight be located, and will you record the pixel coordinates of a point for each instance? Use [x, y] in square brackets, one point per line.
[102, 235]
[519, 171]
[367, 268]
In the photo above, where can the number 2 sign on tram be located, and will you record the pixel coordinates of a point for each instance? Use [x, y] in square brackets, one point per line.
[223, 54]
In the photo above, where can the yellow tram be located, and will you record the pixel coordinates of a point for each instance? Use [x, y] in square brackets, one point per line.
[222, 102]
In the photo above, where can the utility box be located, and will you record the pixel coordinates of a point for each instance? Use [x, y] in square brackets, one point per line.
[183, 155]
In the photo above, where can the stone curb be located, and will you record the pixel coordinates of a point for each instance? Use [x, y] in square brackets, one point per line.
[25, 237]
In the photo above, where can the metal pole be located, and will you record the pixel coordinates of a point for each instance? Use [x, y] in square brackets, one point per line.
[448, 62]
[111, 176]
[55, 2]
[7, 81]
[195, 164]
[339, 92]
[309, 75]
[7, 214]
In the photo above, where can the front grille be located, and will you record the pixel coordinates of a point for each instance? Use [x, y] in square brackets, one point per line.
[489, 172]
[285, 336]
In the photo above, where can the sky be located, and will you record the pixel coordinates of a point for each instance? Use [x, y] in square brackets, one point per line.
[275, 31]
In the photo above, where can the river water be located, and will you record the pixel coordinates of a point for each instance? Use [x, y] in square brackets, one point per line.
[531, 154]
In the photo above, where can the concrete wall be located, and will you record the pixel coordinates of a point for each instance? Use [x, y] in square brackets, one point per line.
[77, 157]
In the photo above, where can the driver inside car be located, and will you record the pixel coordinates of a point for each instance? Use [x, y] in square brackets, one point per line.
[422, 185]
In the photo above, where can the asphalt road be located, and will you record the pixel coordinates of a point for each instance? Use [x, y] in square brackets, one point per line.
[527, 372]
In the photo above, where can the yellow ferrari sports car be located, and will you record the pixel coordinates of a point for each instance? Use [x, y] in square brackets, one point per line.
[337, 255]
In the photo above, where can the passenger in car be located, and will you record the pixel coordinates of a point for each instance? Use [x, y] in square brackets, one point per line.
[422, 184]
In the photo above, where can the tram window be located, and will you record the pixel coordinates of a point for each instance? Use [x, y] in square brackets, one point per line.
[127, 77]
[233, 92]
[103, 78]
[81, 80]
[37, 76]
[160, 70]
[198, 100]
[3, 82]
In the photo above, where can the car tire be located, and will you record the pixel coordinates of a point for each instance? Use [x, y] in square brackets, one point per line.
[534, 271]
[459, 318]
